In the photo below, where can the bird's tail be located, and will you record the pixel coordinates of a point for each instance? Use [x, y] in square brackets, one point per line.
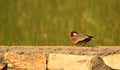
[90, 36]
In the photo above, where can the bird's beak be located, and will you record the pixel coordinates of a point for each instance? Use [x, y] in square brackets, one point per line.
[69, 34]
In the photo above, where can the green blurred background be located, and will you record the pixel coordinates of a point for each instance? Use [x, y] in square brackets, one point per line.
[49, 22]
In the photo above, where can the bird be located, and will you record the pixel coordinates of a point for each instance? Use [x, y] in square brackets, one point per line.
[80, 38]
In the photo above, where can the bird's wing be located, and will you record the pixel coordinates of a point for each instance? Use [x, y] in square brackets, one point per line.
[79, 37]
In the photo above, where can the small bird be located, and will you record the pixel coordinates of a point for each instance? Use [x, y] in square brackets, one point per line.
[80, 38]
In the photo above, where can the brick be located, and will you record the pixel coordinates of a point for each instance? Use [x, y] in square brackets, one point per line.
[25, 62]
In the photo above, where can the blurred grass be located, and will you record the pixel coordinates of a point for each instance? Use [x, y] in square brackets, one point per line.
[48, 22]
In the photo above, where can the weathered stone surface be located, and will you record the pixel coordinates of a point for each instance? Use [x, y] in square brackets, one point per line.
[112, 60]
[3, 66]
[73, 50]
[98, 64]
[68, 62]
[25, 62]
[75, 62]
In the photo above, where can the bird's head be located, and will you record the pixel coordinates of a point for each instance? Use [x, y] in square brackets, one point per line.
[73, 33]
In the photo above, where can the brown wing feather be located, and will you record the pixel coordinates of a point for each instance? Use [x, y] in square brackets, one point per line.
[80, 37]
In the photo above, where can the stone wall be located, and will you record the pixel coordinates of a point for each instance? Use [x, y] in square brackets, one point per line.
[59, 58]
